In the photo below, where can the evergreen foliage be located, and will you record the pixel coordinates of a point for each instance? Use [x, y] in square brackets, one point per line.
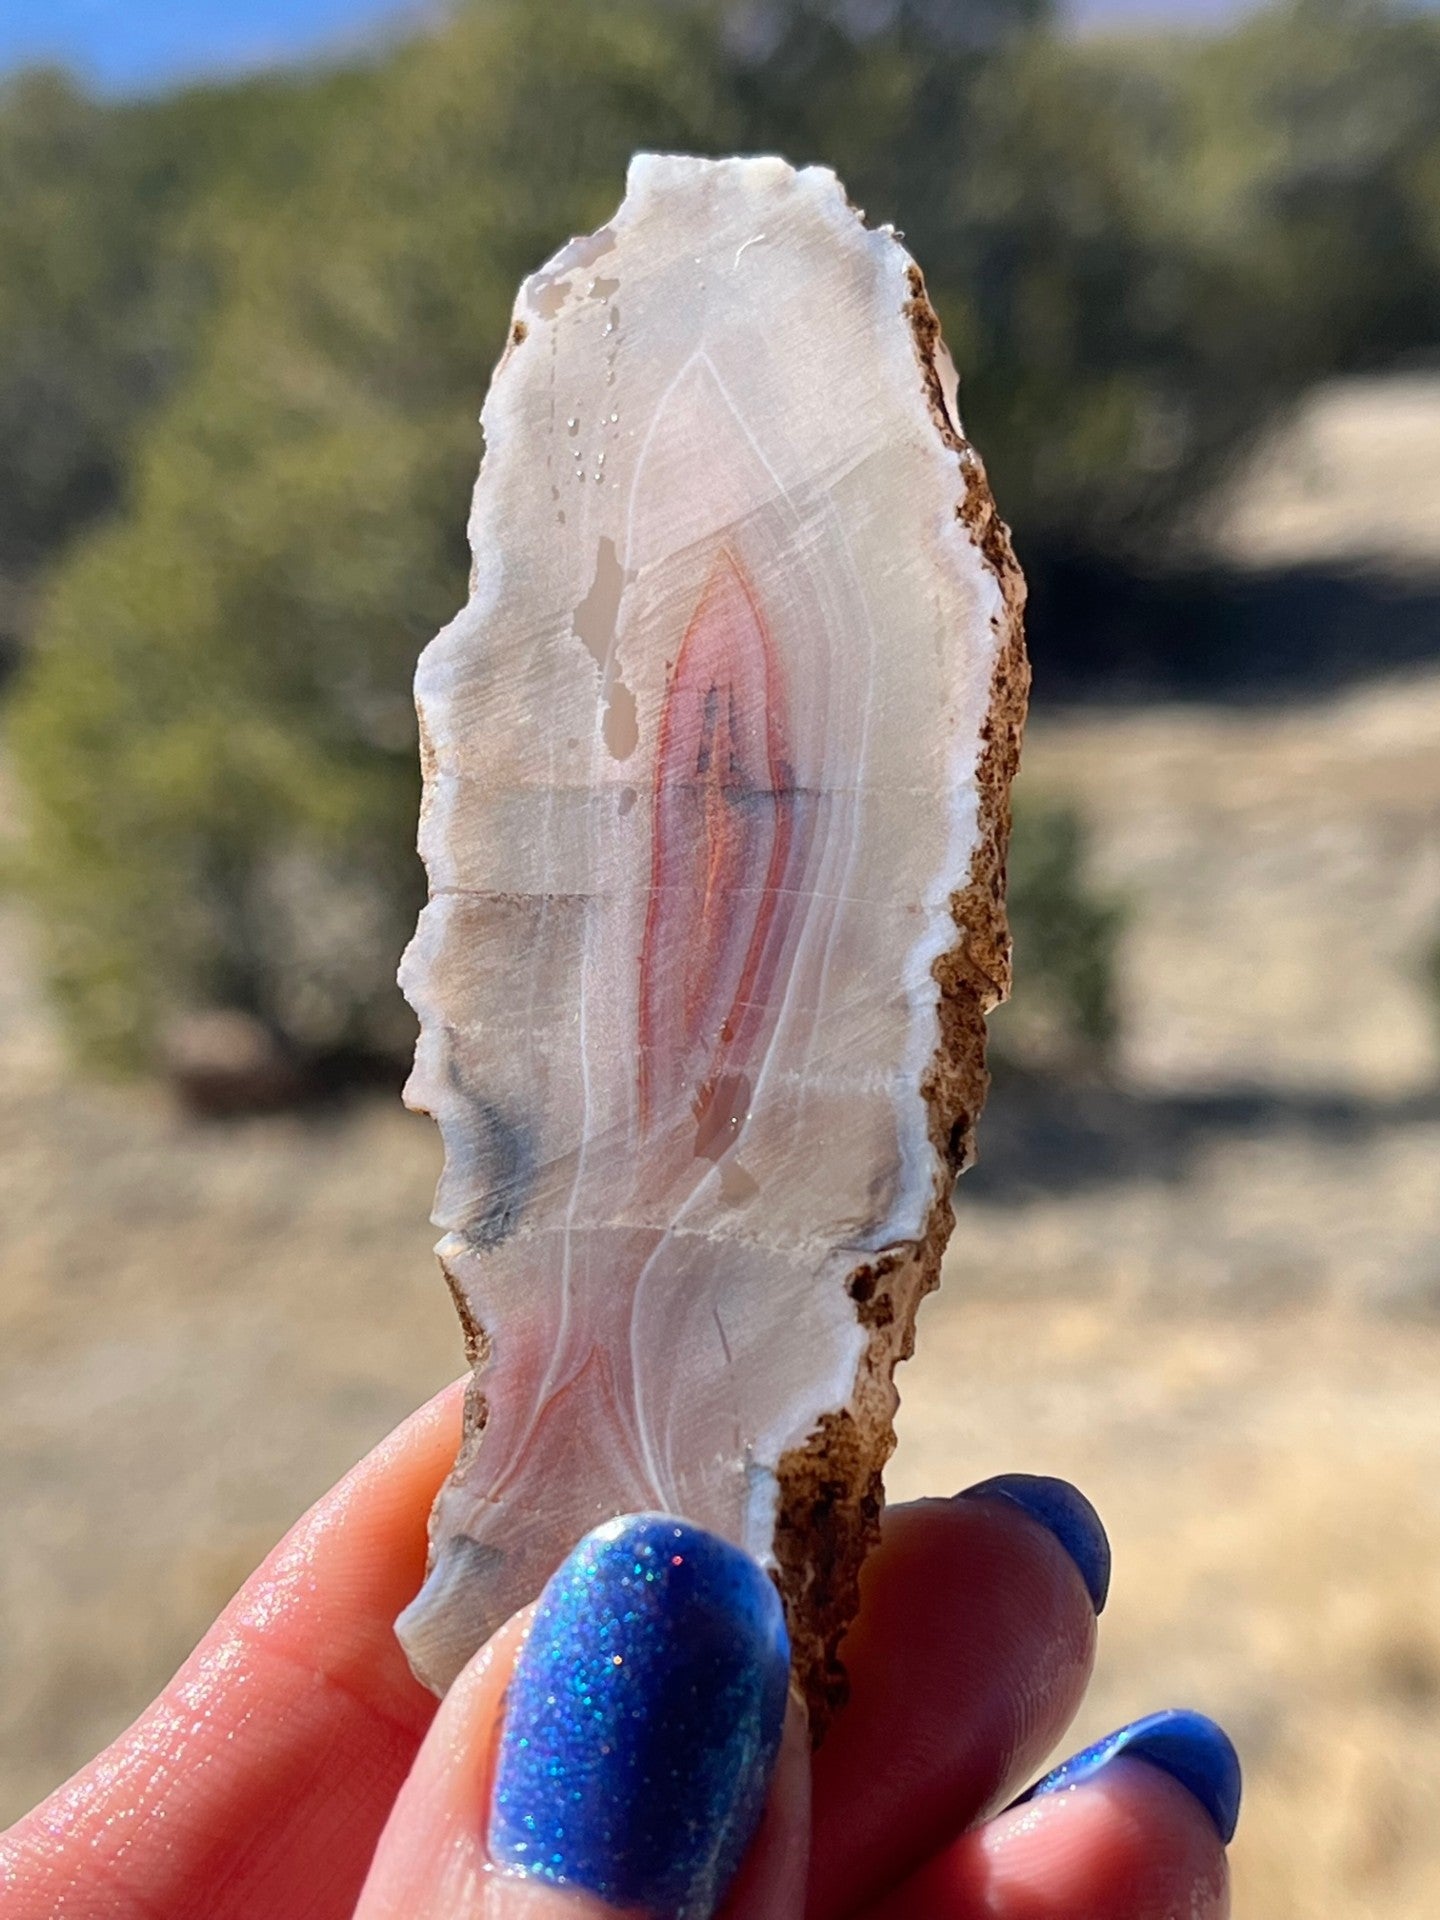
[245, 331]
[1066, 931]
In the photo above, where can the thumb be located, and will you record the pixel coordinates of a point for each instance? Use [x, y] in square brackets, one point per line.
[624, 1745]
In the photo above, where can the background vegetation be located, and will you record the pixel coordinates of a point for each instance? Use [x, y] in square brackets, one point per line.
[245, 330]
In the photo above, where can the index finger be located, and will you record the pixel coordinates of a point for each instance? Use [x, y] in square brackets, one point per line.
[261, 1777]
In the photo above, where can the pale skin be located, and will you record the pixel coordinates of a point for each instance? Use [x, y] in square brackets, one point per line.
[294, 1770]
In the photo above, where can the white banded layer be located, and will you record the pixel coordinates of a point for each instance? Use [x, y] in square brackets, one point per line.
[711, 768]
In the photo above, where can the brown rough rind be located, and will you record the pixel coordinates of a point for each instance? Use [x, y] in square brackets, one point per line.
[776, 1298]
[831, 1491]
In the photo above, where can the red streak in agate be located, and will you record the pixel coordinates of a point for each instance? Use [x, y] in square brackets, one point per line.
[722, 821]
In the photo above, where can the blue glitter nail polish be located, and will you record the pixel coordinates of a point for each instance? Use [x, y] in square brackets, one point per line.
[1188, 1746]
[643, 1720]
[1067, 1514]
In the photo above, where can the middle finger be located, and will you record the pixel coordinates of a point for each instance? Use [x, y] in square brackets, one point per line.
[970, 1654]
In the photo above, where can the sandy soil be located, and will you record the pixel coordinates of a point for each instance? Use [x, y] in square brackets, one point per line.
[1210, 1293]
[1354, 475]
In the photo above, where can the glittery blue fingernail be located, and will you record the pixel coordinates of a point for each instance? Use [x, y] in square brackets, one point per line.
[1067, 1514]
[643, 1720]
[1188, 1746]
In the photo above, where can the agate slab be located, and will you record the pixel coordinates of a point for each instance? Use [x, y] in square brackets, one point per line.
[716, 762]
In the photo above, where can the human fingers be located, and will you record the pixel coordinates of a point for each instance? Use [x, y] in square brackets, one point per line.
[1134, 1829]
[616, 1754]
[970, 1654]
[259, 1781]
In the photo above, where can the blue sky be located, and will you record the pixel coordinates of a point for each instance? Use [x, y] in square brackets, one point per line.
[125, 45]
[122, 45]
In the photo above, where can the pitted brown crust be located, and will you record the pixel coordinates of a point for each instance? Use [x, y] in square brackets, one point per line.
[830, 1488]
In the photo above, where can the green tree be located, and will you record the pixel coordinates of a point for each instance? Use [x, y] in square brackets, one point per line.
[1316, 161]
[1113, 349]
[244, 334]
[108, 270]
[1066, 933]
[216, 732]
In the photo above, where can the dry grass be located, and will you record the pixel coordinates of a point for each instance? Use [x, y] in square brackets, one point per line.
[201, 1329]
[1236, 1354]
[1271, 1491]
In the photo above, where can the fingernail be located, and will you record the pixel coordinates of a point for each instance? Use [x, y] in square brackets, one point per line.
[1188, 1746]
[1066, 1512]
[643, 1720]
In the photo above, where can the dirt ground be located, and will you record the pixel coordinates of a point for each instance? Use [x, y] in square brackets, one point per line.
[1209, 1292]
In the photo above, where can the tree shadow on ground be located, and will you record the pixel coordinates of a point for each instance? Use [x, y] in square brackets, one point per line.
[1049, 1138]
[1102, 634]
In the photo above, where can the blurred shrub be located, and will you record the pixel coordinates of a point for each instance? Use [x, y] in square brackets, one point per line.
[1066, 932]
[216, 732]
[1316, 131]
[106, 277]
[1114, 346]
[257, 323]
[82, 335]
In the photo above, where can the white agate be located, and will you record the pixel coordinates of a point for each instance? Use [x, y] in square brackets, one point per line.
[711, 766]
